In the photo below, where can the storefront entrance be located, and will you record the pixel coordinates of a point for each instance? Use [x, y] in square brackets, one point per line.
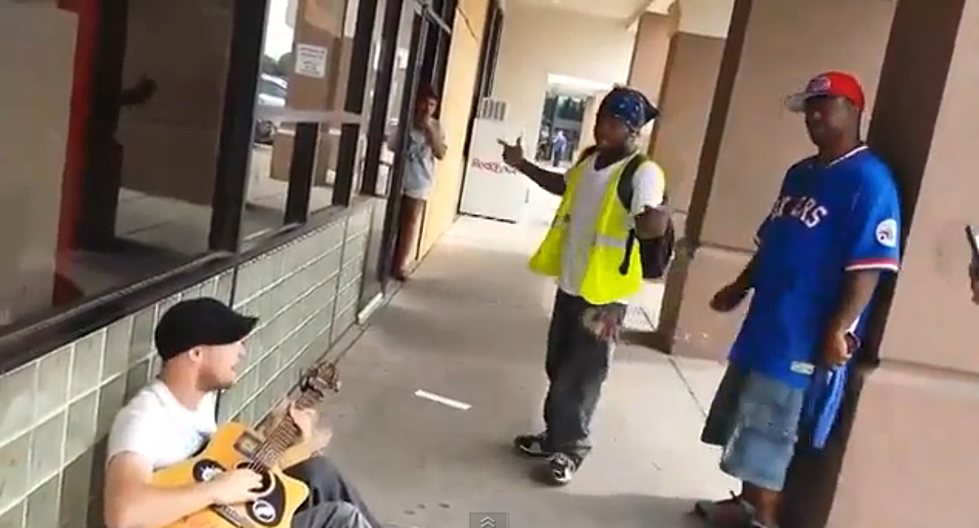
[418, 55]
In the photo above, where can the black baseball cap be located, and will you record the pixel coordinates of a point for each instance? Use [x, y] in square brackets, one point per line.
[197, 322]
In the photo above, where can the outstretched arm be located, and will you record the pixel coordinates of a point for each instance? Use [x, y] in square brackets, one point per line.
[552, 182]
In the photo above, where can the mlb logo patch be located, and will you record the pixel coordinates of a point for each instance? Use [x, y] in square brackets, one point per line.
[887, 233]
[819, 84]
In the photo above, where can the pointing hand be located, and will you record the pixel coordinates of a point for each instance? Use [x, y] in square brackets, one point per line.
[512, 154]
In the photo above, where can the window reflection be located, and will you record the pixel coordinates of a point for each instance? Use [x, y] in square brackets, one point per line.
[402, 57]
[107, 153]
[305, 66]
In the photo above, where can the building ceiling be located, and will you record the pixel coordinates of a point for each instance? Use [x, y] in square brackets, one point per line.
[618, 9]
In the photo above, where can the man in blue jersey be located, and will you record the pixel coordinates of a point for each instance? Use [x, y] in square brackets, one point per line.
[833, 230]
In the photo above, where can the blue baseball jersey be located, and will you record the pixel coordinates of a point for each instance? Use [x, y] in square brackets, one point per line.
[827, 220]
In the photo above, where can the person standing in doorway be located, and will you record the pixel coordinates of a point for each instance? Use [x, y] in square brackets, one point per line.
[426, 143]
[584, 250]
[833, 230]
[559, 148]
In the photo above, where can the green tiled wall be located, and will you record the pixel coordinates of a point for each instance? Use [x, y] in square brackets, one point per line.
[305, 295]
[56, 411]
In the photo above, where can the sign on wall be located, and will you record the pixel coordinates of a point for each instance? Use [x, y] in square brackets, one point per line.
[311, 60]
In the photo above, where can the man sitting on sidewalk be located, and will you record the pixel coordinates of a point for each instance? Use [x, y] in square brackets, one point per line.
[170, 420]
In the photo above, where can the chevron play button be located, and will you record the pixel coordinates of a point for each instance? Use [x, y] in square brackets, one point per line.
[489, 520]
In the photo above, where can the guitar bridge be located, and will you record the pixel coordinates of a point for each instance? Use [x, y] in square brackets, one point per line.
[230, 515]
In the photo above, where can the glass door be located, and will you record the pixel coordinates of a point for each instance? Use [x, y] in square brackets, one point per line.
[394, 81]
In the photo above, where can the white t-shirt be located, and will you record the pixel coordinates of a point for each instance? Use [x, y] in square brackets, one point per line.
[648, 183]
[419, 171]
[155, 426]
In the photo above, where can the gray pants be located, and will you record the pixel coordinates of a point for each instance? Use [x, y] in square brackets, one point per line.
[577, 365]
[333, 502]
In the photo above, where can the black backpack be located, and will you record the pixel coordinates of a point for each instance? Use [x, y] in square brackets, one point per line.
[655, 253]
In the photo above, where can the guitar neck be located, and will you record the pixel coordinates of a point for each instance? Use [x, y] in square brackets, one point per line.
[285, 433]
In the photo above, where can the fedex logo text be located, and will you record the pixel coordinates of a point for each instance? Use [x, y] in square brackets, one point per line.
[492, 166]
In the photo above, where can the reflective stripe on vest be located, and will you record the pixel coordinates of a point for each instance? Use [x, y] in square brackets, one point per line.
[602, 283]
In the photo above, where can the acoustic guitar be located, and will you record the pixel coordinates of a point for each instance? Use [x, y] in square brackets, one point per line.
[236, 446]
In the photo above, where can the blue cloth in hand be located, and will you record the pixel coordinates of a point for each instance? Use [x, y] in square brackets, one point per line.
[823, 402]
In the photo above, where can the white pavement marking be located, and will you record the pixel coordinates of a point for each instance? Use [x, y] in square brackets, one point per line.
[455, 404]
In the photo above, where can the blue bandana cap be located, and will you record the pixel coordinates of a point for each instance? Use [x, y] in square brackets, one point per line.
[629, 106]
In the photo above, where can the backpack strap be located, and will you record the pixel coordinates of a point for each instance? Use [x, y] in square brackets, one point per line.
[626, 192]
[625, 189]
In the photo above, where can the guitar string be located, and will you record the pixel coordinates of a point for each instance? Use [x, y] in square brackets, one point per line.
[276, 442]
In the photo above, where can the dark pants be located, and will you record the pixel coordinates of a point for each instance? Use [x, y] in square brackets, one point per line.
[577, 365]
[333, 502]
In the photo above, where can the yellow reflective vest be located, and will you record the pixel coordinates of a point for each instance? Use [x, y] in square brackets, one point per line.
[603, 283]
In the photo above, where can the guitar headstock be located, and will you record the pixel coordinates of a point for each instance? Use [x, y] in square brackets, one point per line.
[321, 380]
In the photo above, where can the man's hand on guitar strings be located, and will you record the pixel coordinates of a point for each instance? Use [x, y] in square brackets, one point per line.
[315, 435]
[305, 420]
[235, 487]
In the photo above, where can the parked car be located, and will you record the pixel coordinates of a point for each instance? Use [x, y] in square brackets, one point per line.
[272, 91]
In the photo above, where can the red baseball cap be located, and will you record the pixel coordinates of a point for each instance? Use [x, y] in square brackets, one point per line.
[832, 83]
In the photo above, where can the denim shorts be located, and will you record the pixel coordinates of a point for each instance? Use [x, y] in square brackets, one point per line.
[755, 418]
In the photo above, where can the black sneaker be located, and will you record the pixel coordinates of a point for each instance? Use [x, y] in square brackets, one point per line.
[563, 467]
[533, 445]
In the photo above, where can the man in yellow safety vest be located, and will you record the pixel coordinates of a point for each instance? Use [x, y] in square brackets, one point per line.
[584, 250]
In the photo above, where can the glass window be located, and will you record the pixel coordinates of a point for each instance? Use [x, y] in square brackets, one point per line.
[370, 89]
[272, 90]
[402, 58]
[304, 74]
[374, 62]
[107, 153]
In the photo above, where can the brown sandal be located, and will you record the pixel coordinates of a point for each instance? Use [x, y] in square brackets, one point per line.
[726, 513]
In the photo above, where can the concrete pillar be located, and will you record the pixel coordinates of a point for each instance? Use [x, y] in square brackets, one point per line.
[773, 48]
[649, 54]
[691, 72]
[909, 458]
[692, 66]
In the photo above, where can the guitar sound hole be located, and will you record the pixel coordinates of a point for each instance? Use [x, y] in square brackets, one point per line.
[205, 470]
[266, 511]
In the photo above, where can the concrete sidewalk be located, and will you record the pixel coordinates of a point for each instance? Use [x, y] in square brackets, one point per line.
[471, 327]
